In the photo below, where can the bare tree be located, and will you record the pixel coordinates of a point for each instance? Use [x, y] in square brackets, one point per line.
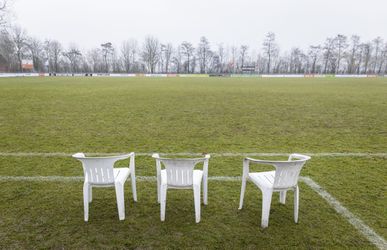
[193, 64]
[165, 57]
[214, 64]
[47, 55]
[328, 52]
[355, 41]
[243, 53]
[84, 65]
[296, 61]
[128, 54]
[74, 56]
[369, 57]
[187, 50]
[150, 52]
[115, 62]
[19, 39]
[367, 50]
[177, 59]
[270, 48]
[36, 49]
[341, 45]
[221, 57]
[203, 52]
[260, 63]
[234, 62]
[3, 12]
[7, 50]
[359, 55]
[125, 55]
[53, 51]
[377, 44]
[314, 53]
[95, 60]
[168, 50]
[383, 59]
[161, 58]
[107, 51]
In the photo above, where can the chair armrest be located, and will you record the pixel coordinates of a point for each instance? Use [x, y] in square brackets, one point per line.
[205, 165]
[248, 160]
[258, 161]
[78, 155]
[132, 164]
[267, 162]
[156, 156]
[299, 156]
[246, 168]
[126, 156]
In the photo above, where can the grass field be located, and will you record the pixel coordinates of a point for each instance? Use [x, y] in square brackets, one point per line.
[173, 115]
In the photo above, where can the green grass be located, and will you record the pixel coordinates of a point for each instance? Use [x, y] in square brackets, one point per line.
[177, 115]
[191, 115]
[56, 221]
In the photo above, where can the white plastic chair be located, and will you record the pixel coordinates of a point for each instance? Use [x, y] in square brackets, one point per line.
[284, 178]
[100, 172]
[180, 174]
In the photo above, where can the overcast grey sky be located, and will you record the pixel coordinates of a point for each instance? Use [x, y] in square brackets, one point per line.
[88, 23]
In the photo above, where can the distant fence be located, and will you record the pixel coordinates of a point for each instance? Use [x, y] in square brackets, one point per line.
[3, 75]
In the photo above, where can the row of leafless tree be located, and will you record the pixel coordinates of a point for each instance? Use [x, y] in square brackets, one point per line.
[336, 55]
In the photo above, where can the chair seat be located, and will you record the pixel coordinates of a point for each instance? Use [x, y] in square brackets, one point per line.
[121, 174]
[263, 179]
[197, 177]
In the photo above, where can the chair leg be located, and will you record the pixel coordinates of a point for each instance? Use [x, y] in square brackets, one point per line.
[266, 203]
[86, 201]
[283, 197]
[205, 191]
[90, 193]
[134, 189]
[196, 190]
[296, 204]
[158, 190]
[120, 200]
[163, 201]
[243, 189]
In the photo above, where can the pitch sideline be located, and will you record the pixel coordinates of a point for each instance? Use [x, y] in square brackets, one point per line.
[219, 154]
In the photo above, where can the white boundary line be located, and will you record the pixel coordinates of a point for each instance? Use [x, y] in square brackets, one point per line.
[43, 178]
[225, 154]
[365, 230]
[80, 178]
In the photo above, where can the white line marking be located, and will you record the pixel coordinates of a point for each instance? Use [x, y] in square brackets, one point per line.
[80, 178]
[42, 178]
[365, 230]
[368, 232]
[225, 154]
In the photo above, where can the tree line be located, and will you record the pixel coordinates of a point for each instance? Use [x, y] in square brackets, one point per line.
[336, 55]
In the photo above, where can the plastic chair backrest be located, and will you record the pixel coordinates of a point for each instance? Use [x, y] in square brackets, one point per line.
[99, 170]
[180, 171]
[287, 173]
